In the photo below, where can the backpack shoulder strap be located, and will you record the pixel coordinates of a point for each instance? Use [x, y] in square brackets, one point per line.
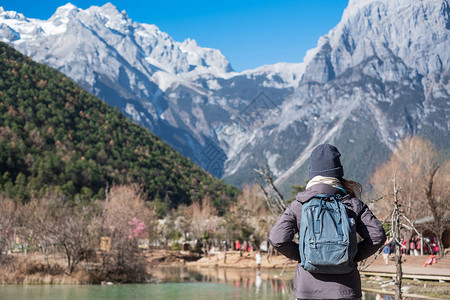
[342, 189]
[323, 196]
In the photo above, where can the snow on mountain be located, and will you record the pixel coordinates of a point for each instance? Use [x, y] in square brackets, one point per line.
[182, 92]
[380, 74]
[117, 29]
[384, 28]
[289, 73]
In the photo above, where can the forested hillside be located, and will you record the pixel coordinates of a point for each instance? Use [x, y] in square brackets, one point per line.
[54, 136]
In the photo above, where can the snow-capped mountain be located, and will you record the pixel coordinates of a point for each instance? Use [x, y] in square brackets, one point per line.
[380, 74]
[182, 92]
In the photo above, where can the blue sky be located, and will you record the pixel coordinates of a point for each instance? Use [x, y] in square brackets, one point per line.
[249, 33]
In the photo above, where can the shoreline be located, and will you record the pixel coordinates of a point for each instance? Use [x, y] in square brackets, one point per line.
[244, 260]
[33, 269]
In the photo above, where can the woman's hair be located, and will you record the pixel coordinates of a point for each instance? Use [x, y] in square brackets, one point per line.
[352, 187]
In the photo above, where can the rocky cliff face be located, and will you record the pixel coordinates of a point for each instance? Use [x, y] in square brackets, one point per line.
[380, 74]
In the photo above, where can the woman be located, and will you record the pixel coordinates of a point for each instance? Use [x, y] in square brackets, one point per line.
[326, 177]
[386, 252]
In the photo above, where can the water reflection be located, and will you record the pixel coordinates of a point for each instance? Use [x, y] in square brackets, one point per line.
[259, 281]
[181, 283]
[385, 297]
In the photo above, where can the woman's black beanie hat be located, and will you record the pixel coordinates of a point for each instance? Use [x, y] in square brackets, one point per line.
[325, 162]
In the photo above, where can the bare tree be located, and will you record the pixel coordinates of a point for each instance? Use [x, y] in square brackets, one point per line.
[273, 197]
[54, 223]
[260, 217]
[397, 221]
[8, 220]
[437, 193]
[249, 217]
[202, 217]
[424, 190]
[396, 227]
[125, 218]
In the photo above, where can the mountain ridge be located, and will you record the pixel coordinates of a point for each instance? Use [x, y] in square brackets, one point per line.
[162, 84]
[377, 76]
[55, 137]
[427, 34]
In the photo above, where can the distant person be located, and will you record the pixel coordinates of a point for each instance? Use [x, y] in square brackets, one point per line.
[329, 269]
[418, 247]
[225, 246]
[430, 260]
[386, 252]
[412, 246]
[435, 247]
[404, 246]
[244, 246]
[237, 245]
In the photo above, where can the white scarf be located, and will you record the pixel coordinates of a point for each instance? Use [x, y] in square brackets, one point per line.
[334, 182]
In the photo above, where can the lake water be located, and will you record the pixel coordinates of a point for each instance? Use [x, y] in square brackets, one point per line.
[178, 284]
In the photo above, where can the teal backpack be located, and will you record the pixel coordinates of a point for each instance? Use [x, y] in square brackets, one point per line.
[327, 236]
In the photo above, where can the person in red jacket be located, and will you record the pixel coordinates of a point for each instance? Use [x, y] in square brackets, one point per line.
[326, 177]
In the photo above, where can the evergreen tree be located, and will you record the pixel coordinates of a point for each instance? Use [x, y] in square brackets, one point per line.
[54, 136]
